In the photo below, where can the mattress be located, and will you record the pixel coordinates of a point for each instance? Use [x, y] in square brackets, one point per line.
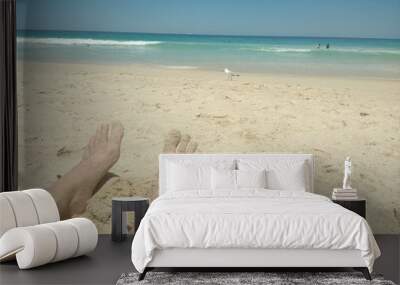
[250, 219]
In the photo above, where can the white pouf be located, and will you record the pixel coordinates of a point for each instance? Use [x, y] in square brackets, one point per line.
[31, 232]
[23, 209]
[7, 220]
[46, 207]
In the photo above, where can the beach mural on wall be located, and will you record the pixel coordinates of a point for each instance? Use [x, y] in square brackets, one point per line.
[97, 108]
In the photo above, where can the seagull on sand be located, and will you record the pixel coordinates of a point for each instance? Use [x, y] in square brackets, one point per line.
[230, 74]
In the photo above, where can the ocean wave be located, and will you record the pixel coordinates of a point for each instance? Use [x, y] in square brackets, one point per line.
[370, 51]
[323, 50]
[77, 41]
[301, 50]
[277, 49]
[179, 66]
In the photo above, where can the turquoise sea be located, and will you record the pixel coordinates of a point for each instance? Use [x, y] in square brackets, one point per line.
[292, 55]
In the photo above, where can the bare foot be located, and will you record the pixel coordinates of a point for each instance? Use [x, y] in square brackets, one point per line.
[75, 188]
[171, 141]
[108, 187]
[175, 142]
[104, 146]
[191, 147]
[181, 148]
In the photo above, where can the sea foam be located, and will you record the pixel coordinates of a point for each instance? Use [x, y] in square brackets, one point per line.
[77, 41]
[323, 49]
[179, 66]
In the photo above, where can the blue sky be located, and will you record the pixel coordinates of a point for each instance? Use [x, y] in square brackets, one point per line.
[341, 18]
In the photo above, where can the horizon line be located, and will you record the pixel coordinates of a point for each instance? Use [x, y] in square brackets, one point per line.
[217, 35]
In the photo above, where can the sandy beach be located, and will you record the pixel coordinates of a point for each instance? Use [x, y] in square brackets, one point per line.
[60, 105]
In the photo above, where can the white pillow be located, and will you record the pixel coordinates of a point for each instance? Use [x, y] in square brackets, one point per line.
[293, 179]
[223, 179]
[189, 174]
[289, 175]
[187, 177]
[236, 179]
[251, 178]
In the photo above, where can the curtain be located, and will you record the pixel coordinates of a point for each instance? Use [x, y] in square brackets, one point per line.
[8, 99]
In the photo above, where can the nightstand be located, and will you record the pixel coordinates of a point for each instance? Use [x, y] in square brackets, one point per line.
[358, 206]
[121, 205]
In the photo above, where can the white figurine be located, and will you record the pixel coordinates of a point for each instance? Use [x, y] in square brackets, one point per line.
[347, 173]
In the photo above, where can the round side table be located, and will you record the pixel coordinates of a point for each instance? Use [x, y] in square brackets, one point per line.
[120, 205]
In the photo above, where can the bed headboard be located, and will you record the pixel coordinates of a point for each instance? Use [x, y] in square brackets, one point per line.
[165, 158]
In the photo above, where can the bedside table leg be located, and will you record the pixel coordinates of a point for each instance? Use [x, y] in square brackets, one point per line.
[116, 223]
[140, 211]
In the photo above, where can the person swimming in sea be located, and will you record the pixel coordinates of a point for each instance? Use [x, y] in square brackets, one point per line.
[318, 46]
[327, 46]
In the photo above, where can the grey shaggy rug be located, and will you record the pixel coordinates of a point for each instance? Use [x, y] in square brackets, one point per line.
[268, 278]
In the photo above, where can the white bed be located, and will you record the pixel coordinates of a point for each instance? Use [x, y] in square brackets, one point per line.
[249, 227]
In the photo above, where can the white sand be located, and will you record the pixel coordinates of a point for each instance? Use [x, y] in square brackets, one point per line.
[61, 104]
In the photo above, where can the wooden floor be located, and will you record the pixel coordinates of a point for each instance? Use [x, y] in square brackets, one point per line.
[103, 266]
[110, 260]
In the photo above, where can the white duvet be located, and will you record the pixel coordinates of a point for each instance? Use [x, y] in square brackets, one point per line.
[250, 219]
